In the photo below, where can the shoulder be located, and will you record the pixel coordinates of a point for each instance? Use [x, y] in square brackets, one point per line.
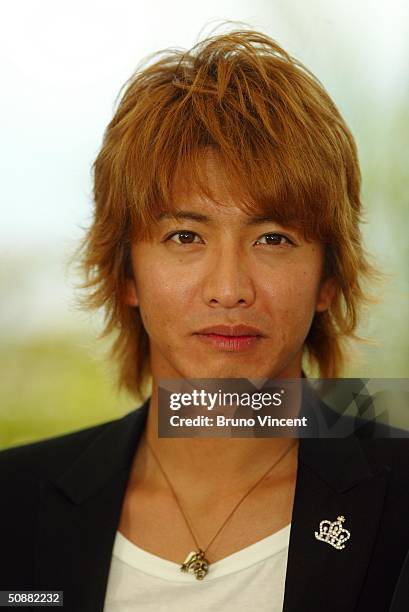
[385, 447]
[383, 444]
[351, 441]
[47, 458]
[393, 453]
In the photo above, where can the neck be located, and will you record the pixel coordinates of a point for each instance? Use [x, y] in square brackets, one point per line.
[212, 464]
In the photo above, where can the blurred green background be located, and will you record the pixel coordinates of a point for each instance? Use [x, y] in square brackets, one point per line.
[54, 377]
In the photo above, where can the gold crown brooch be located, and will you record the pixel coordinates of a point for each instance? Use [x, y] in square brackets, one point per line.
[333, 533]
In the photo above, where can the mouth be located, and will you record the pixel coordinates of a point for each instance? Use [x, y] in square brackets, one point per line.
[230, 338]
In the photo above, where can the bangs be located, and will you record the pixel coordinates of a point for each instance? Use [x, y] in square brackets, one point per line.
[270, 188]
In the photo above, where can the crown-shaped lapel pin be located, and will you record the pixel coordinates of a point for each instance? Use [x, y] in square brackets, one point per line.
[333, 533]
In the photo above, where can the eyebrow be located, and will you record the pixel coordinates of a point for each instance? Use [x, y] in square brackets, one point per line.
[195, 216]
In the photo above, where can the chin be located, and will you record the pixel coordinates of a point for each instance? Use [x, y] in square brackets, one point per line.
[231, 371]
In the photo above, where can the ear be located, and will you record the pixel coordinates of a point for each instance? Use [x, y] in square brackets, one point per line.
[130, 293]
[326, 294]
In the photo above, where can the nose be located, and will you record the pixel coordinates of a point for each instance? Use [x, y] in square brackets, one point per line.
[227, 282]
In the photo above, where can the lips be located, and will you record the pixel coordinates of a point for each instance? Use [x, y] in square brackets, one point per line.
[230, 338]
[231, 330]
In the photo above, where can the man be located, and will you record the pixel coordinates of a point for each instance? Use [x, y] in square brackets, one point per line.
[225, 244]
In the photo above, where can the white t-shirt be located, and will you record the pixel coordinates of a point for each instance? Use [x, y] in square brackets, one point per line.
[251, 579]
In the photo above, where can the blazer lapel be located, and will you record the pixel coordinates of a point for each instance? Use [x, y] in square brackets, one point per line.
[333, 479]
[79, 514]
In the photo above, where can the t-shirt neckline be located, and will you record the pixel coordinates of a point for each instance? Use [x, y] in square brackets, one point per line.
[127, 552]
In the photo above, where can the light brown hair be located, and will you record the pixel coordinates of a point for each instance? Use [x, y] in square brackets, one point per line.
[283, 144]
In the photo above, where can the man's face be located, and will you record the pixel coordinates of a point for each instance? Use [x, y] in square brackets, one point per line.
[218, 266]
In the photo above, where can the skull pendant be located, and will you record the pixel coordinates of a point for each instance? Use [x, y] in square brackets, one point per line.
[196, 563]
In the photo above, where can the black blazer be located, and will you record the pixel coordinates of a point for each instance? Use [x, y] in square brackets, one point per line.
[61, 501]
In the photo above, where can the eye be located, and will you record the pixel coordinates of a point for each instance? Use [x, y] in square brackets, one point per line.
[183, 237]
[274, 239]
